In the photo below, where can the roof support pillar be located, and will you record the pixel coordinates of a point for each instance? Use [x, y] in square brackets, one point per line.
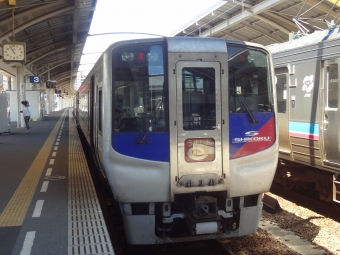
[49, 95]
[21, 94]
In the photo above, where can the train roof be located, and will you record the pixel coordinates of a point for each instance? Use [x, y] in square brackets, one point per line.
[304, 40]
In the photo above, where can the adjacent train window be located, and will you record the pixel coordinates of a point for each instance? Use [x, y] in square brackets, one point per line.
[281, 92]
[139, 99]
[332, 86]
[199, 98]
[249, 80]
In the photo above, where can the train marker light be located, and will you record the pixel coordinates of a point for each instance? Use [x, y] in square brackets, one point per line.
[140, 56]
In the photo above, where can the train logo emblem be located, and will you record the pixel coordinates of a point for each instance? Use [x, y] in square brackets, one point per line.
[251, 136]
[251, 133]
[308, 84]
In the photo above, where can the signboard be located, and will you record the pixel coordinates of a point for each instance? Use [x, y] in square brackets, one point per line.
[51, 84]
[199, 150]
[35, 79]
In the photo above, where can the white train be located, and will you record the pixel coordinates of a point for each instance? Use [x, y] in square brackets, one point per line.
[184, 129]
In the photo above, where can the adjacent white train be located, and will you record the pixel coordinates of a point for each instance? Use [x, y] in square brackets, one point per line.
[185, 131]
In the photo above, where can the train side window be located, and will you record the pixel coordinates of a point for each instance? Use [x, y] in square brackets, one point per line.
[100, 107]
[332, 86]
[281, 91]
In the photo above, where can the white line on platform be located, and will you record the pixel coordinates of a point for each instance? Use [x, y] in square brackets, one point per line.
[52, 161]
[38, 208]
[48, 172]
[54, 154]
[56, 148]
[28, 243]
[44, 186]
[57, 143]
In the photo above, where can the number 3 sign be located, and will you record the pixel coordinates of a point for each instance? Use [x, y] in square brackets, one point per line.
[35, 79]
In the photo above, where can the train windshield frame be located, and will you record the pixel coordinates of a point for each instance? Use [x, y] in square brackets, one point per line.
[139, 88]
[249, 80]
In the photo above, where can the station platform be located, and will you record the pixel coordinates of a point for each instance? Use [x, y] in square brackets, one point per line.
[48, 204]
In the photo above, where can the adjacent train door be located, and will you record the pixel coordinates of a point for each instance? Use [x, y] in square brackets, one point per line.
[282, 91]
[331, 118]
[199, 123]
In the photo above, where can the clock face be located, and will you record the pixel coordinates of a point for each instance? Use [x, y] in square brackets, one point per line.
[13, 52]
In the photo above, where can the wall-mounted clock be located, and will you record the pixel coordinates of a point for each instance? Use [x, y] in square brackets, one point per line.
[14, 51]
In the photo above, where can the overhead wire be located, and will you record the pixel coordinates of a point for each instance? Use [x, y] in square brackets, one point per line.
[335, 3]
[312, 7]
[300, 9]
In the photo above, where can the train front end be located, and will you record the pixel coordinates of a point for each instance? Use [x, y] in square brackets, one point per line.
[194, 141]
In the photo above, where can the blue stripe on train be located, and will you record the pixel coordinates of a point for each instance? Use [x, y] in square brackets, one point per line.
[304, 130]
[157, 148]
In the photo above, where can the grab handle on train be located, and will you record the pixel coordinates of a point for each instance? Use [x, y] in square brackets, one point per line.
[325, 126]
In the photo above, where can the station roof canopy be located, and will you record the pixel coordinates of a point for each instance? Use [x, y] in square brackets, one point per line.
[54, 31]
[264, 21]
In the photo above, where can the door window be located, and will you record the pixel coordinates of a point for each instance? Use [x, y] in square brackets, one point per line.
[332, 86]
[281, 92]
[199, 98]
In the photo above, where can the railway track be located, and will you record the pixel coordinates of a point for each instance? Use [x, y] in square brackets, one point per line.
[307, 198]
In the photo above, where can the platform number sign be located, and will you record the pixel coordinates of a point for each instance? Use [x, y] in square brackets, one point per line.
[35, 79]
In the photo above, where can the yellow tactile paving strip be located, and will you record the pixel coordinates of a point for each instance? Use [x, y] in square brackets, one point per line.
[15, 211]
[86, 226]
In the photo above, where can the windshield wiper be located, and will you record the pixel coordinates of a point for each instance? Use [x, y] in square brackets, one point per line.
[146, 128]
[246, 107]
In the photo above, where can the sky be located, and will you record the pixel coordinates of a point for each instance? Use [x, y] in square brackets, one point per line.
[160, 17]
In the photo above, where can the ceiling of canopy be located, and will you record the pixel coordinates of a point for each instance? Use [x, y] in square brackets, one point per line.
[54, 32]
[265, 21]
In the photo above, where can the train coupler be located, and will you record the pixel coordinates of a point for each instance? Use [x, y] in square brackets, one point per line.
[205, 208]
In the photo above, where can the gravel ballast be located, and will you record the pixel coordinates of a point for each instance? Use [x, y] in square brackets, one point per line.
[314, 233]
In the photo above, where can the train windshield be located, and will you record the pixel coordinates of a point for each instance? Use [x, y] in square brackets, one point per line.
[138, 73]
[249, 81]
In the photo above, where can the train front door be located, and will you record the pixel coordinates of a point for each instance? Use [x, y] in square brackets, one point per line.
[331, 115]
[199, 148]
